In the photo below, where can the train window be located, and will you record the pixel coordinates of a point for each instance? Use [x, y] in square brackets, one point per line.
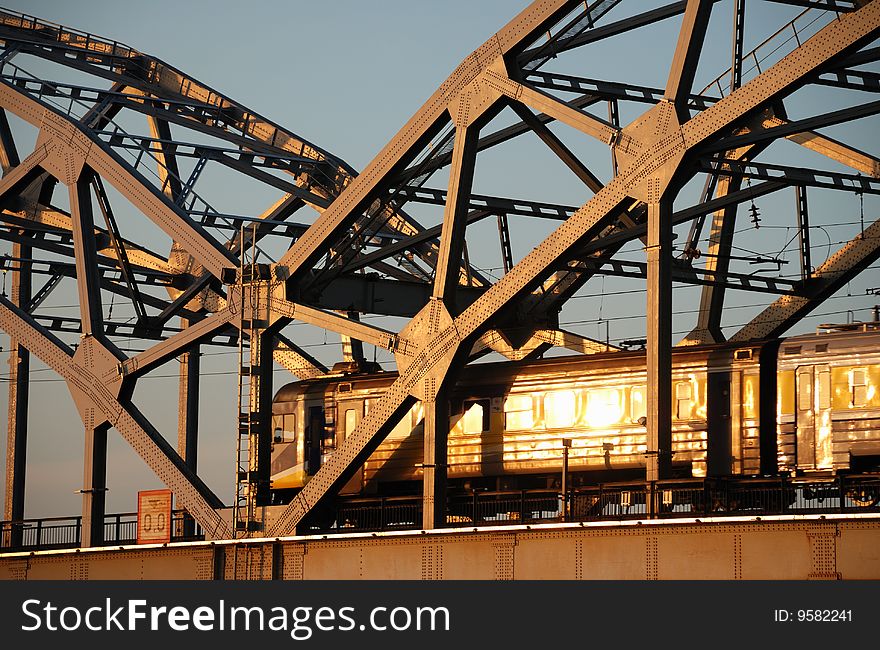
[473, 420]
[403, 428]
[518, 412]
[604, 407]
[638, 406]
[350, 422]
[858, 383]
[824, 389]
[805, 391]
[289, 427]
[560, 409]
[684, 399]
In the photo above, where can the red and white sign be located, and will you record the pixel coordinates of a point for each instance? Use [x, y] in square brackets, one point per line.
[154, 517]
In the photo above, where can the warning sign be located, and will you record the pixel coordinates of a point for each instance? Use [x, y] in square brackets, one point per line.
[154, 517]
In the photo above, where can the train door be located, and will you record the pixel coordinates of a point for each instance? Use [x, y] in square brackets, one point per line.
[350, 414]
[813, 423]
[314, 436]
[719, 453]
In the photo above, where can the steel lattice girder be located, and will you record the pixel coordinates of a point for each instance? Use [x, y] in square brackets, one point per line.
[654, 155]
[653, 161]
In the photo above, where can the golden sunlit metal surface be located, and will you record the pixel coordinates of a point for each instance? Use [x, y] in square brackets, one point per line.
[430, 433]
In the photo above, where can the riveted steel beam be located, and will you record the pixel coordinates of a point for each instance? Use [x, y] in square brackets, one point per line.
[828, 278]
[95, 393]
[639, 159]
[687, 55]
[113, 168]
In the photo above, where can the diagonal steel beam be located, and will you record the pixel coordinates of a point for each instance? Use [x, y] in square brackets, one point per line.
[296, 360]
[173, 346]
[687, 55]
[834, 273]
[106, 162]
[191, 492]
[377, 336]
[417, 132]
[836, 39]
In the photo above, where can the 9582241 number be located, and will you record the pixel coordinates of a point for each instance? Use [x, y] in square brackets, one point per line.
[813, 616]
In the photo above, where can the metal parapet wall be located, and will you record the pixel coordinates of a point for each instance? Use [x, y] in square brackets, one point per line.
[780, 548]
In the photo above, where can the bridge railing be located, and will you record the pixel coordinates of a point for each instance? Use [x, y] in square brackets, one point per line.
[609, 502]
[621, 501]
[66, 532]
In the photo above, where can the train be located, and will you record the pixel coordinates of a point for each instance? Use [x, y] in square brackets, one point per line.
[807, 405]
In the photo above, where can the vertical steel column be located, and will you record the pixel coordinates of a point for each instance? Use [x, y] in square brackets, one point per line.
[718, 260]
[434, 461]
[803, 230]
[261, 409]
[659, 348]
[94, 484]
[188, 416]
[91, 316]
[504, 237]
[614, 118]
[19, 366]
[446, 278]
[19, 388]
[739, 25]
[461, 176]
[352, 349]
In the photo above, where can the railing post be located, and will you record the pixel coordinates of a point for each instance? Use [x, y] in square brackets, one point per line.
[118, 527]
[783, 496]
[522, 506]
[841, 492]
[39, 540]
[474, 508]
[382, 513]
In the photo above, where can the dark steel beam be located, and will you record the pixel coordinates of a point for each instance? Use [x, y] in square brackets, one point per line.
[803, 218]
[188, 416]
[177, 344]
[739, 26]
[855, 183]
[659, 334]
[687, 56]
[851, 80]
[366, 293]
[792, 128]
[826, 280]
[118, 247]
[18, 402]
[608, 90]
[94, 491]
[88, 281]
[296, 360]
[688, 275]
[607, 31]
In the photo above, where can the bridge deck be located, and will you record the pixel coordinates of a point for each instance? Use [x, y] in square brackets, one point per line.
[784, 547]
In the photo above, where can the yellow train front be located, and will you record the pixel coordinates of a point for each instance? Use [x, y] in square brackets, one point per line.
[806, 405]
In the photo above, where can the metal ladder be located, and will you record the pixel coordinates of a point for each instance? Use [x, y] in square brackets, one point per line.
[245, 513]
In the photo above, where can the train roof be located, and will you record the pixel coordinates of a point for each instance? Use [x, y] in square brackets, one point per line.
[837, 338]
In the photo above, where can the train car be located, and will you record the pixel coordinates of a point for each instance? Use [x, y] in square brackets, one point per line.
[806, 405]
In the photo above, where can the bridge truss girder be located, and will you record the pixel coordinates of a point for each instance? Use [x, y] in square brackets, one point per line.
[455, 312]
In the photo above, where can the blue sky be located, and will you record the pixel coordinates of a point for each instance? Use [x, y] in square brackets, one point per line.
[346, 76]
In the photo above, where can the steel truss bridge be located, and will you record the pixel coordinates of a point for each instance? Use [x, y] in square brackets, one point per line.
[113, 121]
